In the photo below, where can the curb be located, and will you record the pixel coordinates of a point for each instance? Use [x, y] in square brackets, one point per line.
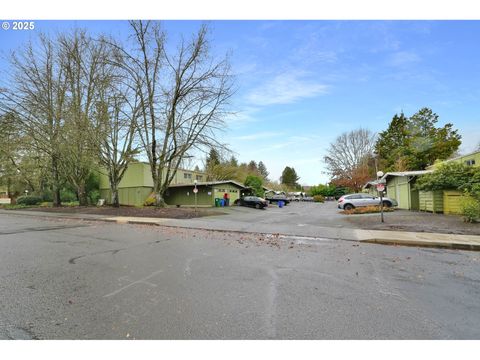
[429, 244]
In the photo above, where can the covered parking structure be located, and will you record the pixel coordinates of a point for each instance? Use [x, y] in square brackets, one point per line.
[183, 194]
[400, 186]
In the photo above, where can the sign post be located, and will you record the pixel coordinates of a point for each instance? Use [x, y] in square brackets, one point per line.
[195, 191]
[380, 188]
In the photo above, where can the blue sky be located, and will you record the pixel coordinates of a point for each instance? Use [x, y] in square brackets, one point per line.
[302, 83]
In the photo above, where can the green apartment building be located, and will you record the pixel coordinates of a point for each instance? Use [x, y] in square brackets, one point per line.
[471, 159]
[137, 185]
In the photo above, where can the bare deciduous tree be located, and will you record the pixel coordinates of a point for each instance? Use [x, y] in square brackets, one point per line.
[349, 158]
[35, 93]
[183, 98]
[116, 115]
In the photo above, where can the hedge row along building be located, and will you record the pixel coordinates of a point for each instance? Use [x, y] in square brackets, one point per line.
[137, 185]
[401, 187]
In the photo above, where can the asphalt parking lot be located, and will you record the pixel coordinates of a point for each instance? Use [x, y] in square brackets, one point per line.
[66, 279]
[303, 214]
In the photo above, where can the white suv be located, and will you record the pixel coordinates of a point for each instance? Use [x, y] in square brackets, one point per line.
[351, 201]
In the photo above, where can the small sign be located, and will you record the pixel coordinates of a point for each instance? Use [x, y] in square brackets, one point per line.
[195, 190]
[380, 187]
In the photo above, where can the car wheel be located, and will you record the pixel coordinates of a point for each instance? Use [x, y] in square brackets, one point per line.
[387, 204]
[257, 206]
[348, 207]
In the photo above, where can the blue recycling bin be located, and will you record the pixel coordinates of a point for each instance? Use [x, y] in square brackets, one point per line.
[280, 204]
[222, 202]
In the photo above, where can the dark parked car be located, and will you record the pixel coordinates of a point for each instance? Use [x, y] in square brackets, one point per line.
[253, 201]
[276, 198]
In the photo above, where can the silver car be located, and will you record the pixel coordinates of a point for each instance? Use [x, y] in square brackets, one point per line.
[351, 201]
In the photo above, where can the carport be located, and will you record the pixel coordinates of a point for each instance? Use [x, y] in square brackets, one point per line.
[183, 194]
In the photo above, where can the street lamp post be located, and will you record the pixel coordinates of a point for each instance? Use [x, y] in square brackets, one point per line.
[380, 192]
[195, 190]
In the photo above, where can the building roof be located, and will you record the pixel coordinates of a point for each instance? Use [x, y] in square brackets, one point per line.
[453, 159]
[370, 183]
[406, 173]
[462, 156]
[210, 183]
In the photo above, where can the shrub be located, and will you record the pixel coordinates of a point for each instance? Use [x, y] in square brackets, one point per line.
[470, 208]
[68, 196]
[71, 203]
[29, 200]
[366, 210]
[93, 196]
[449, 176]
[12, 207]
[319, 198]
[47, 195]
[255, 183]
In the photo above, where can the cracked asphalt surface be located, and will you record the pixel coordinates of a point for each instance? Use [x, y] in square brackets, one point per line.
[67, 279]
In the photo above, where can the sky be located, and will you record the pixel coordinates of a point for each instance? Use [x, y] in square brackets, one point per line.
[300, 84]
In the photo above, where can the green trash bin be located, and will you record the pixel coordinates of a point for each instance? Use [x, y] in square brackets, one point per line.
[217, 202]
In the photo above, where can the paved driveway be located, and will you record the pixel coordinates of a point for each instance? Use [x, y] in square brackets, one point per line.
[304, 215]
[69, 279]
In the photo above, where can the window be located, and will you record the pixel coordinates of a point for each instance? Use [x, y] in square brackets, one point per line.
[470, 162]
[199, 177]
[353, 197]
[187, 176]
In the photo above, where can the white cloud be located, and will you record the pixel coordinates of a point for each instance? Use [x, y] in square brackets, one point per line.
[470, 139]
[240, 118]
[259, 135]
[285, 88]
[402, 58]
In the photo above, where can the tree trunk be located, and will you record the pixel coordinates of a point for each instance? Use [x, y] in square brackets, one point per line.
[55, 184]
[159, 196]
[82, 195]
[10, 194]
[115, 198]
[160, 200]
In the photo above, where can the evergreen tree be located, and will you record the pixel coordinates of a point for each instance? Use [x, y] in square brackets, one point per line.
[415, 143]
[233, 161]
[289, 177]
[392, 143]
[262, 169]
[252, 166]
[213, 158]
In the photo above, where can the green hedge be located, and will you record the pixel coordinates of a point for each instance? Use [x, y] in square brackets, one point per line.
[29, 200]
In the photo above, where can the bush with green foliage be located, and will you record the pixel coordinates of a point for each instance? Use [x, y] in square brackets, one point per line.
[319, 198]
[93, 196]
[92, 187]
[68, 196]
[255, 182]
[456, 176]
[327, 190]
[449, 176]
[29, 200]
[470, 208]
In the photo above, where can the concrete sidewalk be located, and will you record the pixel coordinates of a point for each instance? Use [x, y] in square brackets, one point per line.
[312, 232]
